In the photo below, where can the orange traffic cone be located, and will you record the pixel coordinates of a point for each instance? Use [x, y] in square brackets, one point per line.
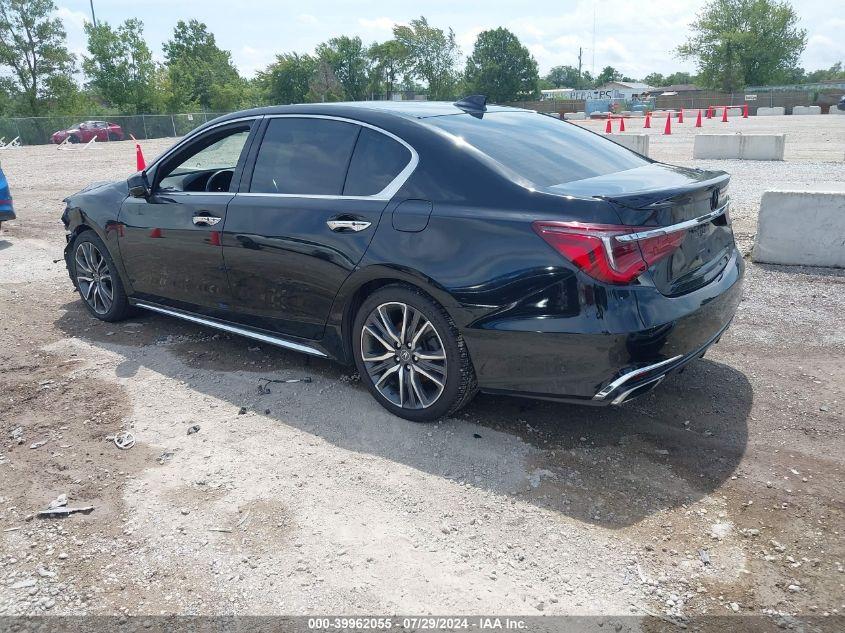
[745, 111]
[681, 116]
[725, 114]
[647, 120]
[668, 128]
[698, 119]
[140, 164]
[607, 128]
[621, 124]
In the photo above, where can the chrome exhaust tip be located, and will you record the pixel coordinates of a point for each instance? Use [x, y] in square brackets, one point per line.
[639, 390]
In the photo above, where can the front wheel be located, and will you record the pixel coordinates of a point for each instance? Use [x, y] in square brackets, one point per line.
[97, 279]
[411, 356]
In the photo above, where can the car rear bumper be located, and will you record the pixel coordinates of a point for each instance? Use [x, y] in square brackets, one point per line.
[6, 215]
[541, 358]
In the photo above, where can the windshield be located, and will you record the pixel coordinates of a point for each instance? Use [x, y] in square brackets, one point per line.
[541, 149]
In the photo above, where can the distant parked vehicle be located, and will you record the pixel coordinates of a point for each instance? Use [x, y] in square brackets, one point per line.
[7, 212]
[84, 132]
[841, 104]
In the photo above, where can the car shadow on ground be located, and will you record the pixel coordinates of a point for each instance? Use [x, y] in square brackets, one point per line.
[4, 244]
[607, 466]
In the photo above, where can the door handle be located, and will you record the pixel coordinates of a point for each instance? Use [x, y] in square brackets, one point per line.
[205, 220]
[343, 226]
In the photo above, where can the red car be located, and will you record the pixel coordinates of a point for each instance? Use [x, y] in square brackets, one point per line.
[84, 132]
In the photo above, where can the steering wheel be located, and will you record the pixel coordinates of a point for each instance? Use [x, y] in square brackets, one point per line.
[214, 176]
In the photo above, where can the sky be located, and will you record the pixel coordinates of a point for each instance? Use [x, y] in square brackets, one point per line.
[634, 36]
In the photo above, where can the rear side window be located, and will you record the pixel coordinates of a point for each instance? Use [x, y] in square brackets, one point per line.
[304, 156]
[541, 149]
[377, 160]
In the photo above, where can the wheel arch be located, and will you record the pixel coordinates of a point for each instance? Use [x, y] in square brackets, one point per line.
[360, 285]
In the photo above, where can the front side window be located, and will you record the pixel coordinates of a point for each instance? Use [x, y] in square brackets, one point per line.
[539, 148]
[377, 160]
[304, 156]
[209, 164]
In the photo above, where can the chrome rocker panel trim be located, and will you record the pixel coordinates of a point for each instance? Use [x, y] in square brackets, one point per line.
[233, 329]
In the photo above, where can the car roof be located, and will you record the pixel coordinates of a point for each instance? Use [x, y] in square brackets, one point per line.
[406, 109]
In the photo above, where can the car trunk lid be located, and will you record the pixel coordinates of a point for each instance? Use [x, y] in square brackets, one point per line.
[687, 206]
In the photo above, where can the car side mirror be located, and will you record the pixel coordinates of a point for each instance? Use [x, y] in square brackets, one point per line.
[138, 185]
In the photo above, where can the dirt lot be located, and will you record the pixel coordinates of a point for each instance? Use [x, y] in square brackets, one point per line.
[720, 493]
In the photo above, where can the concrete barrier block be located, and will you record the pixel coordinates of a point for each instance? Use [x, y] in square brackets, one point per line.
[807, 110]
[762, 146]
[635, 142]
[716, 146]
[577, 116]
[739, 146]
[777, 111]
[835, 110]
[802, 228]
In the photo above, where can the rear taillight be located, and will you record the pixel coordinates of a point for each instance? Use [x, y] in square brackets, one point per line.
[596, 249]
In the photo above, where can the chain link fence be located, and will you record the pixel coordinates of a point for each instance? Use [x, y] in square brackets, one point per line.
[37, 130]
[755, 97]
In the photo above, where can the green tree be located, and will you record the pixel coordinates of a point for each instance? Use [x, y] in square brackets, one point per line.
[32, 45]
[324, 85]
[288, 79]
[655, 79]
[120, 66]
[564, 77]
[432, 56]
[200, 71]
[347, 59]
[744, 42]
[607, 75]
[834, 73]
[501, 68]
[387, 61]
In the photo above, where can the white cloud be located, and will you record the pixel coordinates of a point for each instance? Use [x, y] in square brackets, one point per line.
[71, 18]
[307, 18]
[377, 24]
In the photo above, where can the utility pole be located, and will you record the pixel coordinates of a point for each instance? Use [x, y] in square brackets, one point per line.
[594, 41]
[578, 83]
[93, 17]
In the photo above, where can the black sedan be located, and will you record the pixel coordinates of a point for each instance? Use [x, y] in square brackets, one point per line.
[442, 248]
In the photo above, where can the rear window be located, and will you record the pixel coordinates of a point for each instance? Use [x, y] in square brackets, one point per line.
[377, 160]
[304, 156]
[541, 149]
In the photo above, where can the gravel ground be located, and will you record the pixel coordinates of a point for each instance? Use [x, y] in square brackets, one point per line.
[719, 493]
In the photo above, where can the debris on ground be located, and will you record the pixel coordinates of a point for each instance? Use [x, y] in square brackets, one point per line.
[124, 440]
[194, 428]
[63, 510]
[38, 444]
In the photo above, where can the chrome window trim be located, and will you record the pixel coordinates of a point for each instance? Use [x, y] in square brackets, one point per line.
[194, 133]
[273, 340]
[681, 226]
[384, 195]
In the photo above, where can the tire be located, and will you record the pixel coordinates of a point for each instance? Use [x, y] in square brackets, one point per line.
[113, 137]
[95, 277]
[432, 379]
[73, 139]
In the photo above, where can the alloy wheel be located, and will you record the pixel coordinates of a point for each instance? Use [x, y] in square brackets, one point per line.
[404, 355]
[94, 278]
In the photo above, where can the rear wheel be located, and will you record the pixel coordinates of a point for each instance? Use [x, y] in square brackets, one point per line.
[411, 356]
[113, 136]
[97, 280]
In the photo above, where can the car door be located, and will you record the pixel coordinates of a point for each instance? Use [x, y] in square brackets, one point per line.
[170, 241]
[308, 207]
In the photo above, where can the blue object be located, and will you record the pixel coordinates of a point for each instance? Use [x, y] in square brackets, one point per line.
[7, 212]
